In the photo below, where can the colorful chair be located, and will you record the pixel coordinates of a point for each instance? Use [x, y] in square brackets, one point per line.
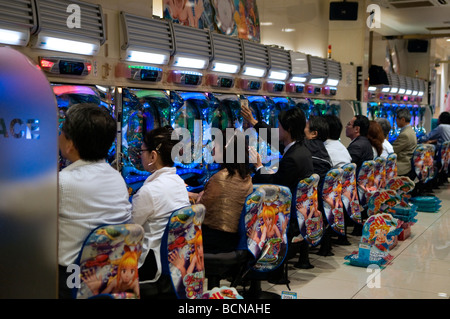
[350, 197]
[391, 167]
[365, 182]
[310, 220]
[380, 172]
[267, 239]
[108, 262]
[332, 200]
[182, 258]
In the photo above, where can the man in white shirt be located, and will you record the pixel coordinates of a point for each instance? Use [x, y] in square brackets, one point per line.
[338, 152]
[91, 192]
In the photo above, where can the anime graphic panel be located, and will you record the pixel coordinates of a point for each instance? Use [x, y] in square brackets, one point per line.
[185, 252]
[308, 214]
[350, 198]
[332, 200]
[268, 239]
[109, 262]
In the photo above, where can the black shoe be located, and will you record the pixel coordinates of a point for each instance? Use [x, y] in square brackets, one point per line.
[342, 241]
[325, 253]
[303, 265]
[282, 281]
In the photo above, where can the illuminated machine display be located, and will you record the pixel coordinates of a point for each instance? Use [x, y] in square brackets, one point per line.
[66, 53]
[396, 92]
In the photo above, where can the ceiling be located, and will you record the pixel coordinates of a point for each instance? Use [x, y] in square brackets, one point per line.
[420, 18]
[399, 18]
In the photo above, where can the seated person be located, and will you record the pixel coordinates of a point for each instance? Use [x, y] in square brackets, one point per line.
[386, 128]
[376, 138]
[338, 152]
[295, 165]
[440, 133]
[405, 144]
[224, 197]
[316, 132]
[162, 193]
[91, 192]
[359, 148]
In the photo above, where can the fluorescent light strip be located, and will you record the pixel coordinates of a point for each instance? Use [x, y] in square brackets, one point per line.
[415, 92]
[317, 81]
[300, 79]
[420, 93]
[192, 63]
[147, 57]
[394, 90]
[254, 72]
[332, 82]
[408, 92]
[385, 90]
[277, 75]
[401, 91]
[372, 89]
[225, 67]
[63, 45]
[12, 37]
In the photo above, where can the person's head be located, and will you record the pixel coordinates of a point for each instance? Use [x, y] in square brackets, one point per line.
[403, 117]
[157, 148]
[376, 136]
[334, 126]
[234, 154]
[357, 126]
[385, 125]
[128, 267]
[316, 128]
[87, 133]
[444, 118]
[292, 125]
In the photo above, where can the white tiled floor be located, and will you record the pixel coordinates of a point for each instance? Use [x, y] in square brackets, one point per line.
[420, 269]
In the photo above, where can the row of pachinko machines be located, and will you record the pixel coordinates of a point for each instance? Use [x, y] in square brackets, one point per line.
[389, 111]
[144, 109]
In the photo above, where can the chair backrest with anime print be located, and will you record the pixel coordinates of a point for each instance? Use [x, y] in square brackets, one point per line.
[391, 167]
[429, 162]
[350, 197]
[445, 156]
[365, 181]
[332, 200]
[267, 239]
[380, 172]
[308, 215]
[419, 161]
[108, 262]
[182, 252]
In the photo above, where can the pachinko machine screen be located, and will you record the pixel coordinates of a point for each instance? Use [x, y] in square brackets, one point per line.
[142, 111]
[192, 114]
[68, 95]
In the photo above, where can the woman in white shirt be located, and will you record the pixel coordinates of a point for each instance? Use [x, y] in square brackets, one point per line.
[162, 193]
[338, 152]
[386, 127]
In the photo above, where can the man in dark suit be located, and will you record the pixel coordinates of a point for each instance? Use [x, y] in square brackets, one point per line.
[360, 148]
[295, 164]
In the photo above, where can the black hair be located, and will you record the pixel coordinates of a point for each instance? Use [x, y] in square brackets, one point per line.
[444, 118]
[91, 128]
[334, 126]
[294, 122]
[238, 145]
[363, 123]
[160, 140]
[320, 125]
